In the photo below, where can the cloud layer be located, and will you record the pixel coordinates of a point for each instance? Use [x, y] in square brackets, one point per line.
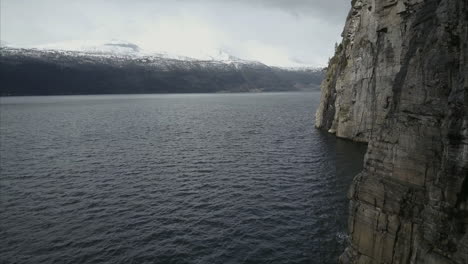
[288, 33]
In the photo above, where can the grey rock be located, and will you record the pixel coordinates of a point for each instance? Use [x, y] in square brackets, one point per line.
[399, 81]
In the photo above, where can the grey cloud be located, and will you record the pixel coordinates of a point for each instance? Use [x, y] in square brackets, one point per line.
[303, 31]
[335, 10]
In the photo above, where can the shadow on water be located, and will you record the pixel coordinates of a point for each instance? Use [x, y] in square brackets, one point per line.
[345, 160]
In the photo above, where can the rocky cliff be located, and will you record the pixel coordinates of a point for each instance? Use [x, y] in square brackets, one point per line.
[399, 81]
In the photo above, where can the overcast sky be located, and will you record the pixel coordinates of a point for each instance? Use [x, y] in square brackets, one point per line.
[276, 32]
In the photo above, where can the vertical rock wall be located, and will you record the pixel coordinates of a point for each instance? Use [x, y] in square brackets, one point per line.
[399, 81]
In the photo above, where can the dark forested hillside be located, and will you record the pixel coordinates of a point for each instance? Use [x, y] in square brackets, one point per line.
[37, 72]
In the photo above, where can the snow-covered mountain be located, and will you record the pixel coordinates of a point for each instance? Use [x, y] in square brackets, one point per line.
[122, 48]
[88, 46]
[123, 67]
[125, 49]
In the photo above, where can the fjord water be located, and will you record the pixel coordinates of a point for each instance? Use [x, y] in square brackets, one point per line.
[186, 178]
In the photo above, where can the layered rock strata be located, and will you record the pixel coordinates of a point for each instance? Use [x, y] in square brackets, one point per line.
[399, 81]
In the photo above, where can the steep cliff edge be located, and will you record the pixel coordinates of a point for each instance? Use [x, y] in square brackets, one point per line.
[399, 81]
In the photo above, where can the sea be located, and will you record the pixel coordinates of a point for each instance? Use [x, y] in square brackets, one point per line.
[172, 178]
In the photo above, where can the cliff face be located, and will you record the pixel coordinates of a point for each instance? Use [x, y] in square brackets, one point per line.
[399, 81]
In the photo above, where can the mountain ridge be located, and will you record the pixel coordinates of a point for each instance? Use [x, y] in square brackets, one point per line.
[52, 71]
[124, 48]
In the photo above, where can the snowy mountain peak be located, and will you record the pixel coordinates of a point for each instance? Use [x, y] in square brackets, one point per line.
[116, 47]
[120, 48]
[124, 46]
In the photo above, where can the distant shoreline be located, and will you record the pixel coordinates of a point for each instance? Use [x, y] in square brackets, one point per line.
[194, 93]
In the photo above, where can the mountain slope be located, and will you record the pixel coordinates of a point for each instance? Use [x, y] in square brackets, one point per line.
[122, 68]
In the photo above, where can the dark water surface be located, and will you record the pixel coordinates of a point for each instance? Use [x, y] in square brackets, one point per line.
[208, 178]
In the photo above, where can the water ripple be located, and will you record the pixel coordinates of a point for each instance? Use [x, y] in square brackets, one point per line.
[171, 179]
